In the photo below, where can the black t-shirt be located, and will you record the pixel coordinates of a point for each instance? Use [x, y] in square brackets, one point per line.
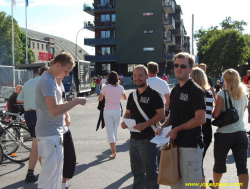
[248, 79]
[149, 101]
[184, 101]
[11, 102]
[217, 87]
[210, 81]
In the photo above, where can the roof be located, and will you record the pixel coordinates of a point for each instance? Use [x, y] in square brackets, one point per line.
[60, 43]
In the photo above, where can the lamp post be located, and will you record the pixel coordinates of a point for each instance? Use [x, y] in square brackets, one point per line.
[76, 40]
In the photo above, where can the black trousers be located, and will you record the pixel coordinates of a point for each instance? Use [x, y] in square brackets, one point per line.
[69, 164]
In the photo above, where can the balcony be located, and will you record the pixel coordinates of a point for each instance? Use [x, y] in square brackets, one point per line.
[101, 58]
[177, 17]
[168, 6]
[169, 23]
[99, 25]
[168, 56]
[177, 47]
[98, 8]
[169, 40]
[99, 41]
[178, 32]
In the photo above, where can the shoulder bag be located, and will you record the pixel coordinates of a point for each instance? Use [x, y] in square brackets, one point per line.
[228, 117]
[143, 113]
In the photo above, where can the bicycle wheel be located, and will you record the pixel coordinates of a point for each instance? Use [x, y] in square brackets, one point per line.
[18, 144]
[1, 154]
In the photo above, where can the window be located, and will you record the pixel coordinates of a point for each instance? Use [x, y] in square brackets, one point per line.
[148, 31]
[131, 68]
[105, 17]
[33, 45]
[104, 2]
[42, 46]
[105, 34]
[113, 17]
[148, 14]
[105, 69]
[46, 47]
[38, 46]
[105, 50]
[52, 50]
[148, 49]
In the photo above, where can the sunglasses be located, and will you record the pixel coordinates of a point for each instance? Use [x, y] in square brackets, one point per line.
[183, 66]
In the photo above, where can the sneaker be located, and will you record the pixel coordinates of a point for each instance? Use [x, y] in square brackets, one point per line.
[31, 178]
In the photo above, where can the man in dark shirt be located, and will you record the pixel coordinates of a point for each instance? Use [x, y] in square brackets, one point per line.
[144, 154]
[12, 100]
[187, 114]
[203, 66]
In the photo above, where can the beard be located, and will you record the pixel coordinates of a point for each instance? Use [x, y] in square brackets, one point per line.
[140, 85]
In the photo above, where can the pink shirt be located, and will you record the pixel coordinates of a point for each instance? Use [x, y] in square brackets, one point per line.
[112, 96]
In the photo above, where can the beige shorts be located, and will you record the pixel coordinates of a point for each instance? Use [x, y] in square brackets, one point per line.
[51, 151]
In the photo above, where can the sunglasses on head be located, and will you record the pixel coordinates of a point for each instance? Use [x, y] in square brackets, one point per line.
[183, 66]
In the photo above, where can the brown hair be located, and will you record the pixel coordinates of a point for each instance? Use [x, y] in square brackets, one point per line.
[144, 68]
[63, 59]
[203, 64]
[152, 67]
[185, 55]
[42, 69]
[113, 78]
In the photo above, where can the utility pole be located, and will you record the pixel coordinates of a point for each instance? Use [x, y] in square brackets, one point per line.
[192, 34]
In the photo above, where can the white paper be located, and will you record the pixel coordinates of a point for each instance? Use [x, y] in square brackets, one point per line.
[130, 123]
[162, 140]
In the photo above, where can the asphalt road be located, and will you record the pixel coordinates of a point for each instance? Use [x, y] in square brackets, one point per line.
[94, 169]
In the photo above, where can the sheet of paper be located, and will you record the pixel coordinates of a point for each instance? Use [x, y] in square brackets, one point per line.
[130, 123]
[162, 140]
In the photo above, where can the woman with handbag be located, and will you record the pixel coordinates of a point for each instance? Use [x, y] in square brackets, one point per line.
[113, 93]
[232, 136]
[199, 76]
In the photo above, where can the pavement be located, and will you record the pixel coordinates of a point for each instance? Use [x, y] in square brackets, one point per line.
[94, 169]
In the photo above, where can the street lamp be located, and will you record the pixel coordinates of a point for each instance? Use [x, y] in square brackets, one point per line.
[76, 40]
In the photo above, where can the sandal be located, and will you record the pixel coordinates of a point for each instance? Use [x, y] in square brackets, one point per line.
[112, 156]
[211, 182]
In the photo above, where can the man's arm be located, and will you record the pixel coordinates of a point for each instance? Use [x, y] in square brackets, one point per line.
[165, 124]
[199, 119]
[157, 117]
[20, 97]
[126, 115]
[167, 99]
[57, 109]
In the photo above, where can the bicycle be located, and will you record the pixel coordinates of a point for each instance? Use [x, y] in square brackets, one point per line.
[1, 154]
[16, 142]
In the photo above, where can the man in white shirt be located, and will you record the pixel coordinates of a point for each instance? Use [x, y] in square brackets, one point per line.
[28, 97]
[158, 84]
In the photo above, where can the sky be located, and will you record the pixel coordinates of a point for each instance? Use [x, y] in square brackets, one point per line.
[64, 18]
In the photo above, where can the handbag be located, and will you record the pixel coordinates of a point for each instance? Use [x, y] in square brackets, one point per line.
[169, 169]
[227, 117]
[143, 113]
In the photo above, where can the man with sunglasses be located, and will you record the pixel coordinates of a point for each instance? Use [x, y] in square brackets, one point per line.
[187, 114]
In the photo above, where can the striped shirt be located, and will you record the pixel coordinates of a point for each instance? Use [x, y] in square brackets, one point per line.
[209, 104]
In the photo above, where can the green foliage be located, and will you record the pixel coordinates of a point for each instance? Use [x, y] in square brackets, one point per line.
[6, 42]
[223, 48]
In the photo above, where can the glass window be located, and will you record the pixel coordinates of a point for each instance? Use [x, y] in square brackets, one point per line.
[38, 46]
[148, 14]
[104, 2]
[105, 50]
[52, 50]
[131, 67]
[112, 32]
[33, 45]
[145, 31]
[113, 17]
[105, 34]
[46, 47]
[107, 17]
[103, 18]
[150, 31]
[148, 49]
[106, 69]
[42, 46]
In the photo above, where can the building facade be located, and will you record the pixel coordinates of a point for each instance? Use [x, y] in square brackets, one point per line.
[128, 33]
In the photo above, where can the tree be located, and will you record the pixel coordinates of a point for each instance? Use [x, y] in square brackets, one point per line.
[228, 23]
[223, 48]
[6, 42]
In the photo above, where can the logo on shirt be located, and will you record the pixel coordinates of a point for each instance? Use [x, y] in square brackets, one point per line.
[144, 100]
[184, 97]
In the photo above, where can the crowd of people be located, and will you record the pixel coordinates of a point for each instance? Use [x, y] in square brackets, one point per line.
[188, 108]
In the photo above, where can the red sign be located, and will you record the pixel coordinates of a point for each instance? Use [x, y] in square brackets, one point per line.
[45, 56]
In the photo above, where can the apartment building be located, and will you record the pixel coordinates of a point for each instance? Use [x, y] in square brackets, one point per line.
[128, 33]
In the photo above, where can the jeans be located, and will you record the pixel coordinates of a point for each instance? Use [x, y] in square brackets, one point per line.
[144, 163]
[97, 88]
